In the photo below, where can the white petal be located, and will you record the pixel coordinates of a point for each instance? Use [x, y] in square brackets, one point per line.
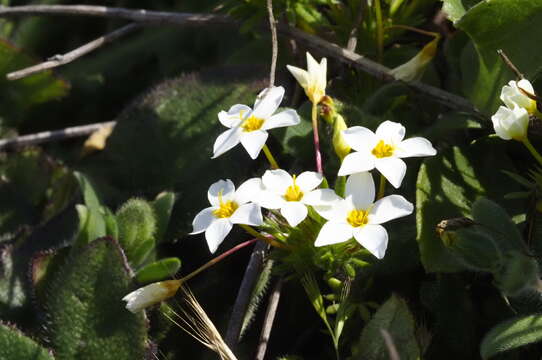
[308, 180]
[389, 208]
[151, 294]
[268, 102]
[357, 162]
[393, 169]
[322, 80]
[391, 132]
[498, 120]
[302, 76]
[312, 66]
[277, 181]
[333, 233]
[254, 141]
[294, 212]
[416, 146]
[270, 200]
[360, 138]
[248, 191]
[225, 188]
[216, 233]
[202, 220]
[361, 188]
[374, 238]
[287, 117]
[511, 123]
[225, 141]
[321, 197]
[513, 97]
[234, 116]
[248, 214]
[337, 210]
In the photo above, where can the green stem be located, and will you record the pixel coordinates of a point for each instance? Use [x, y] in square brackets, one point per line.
[216, 259]
[317, 154]
[381, 187]
[533, 151]
[268, 240]
[270, 158]
[379, 30]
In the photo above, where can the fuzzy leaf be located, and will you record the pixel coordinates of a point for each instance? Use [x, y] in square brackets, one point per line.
[158, 270]
[87, 318]
[94, 222]
[14, 345]
[512, 334]
[163, 206]
[394, 317]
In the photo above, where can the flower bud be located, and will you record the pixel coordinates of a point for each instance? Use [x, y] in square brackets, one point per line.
[151, 294]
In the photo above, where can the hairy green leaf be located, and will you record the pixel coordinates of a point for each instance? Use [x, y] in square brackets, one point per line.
[14, 345]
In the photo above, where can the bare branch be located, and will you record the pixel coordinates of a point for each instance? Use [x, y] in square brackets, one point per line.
[510, 64]
[353, 36]
[59, 60]
[275, 48]
[268, 320]
[390, 345]
[253, 270]
[47, 136]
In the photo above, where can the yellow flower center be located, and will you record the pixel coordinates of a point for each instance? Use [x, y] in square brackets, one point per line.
[358, 218]
[252, 123]
[293, 193]
[382, 150]
[225, 209]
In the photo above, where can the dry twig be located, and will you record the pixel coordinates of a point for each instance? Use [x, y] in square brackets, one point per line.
[268, 320]
[59, 60]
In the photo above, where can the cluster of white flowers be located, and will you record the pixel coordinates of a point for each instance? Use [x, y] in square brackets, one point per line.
[511, 121]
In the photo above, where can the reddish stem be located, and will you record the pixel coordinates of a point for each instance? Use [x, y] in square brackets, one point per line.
[317, 154]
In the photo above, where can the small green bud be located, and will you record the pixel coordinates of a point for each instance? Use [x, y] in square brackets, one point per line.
[332, 309]
[335, 284]
[339, 144]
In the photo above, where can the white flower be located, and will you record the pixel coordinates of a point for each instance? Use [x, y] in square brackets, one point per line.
[312, 80]
[415, 67]
[513, 97]
[249, 127]
[228, 207]
[382, 150]
[511, 124]
[358, 217]
[151, 294]
[292, 194]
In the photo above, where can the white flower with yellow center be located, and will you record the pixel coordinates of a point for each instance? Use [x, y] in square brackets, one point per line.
[382, 150]
[291, 194]
[513, 96]
[312, 80]
[249, 127]
[228, 207]
[358, 217]
[151, 294]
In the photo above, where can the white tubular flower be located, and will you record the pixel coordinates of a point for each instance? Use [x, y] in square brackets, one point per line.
[151, 294]
[358, 217]
[513, 97]
[291, 194]
[228, 207]
[312, 80]
[249, 127]
[382, 150]
[511, 124]
[415, 67]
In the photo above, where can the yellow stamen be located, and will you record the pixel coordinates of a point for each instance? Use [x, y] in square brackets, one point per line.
[358, 218]
[293, 193]
[253, 123]
[382, 150]
[225, 209]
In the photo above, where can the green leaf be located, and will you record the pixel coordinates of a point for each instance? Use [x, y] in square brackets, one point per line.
[448, 184]
[14, 345]
[93, 218]
[454, 9]
[510, 25]
[163, 206]
[394, 317]
[20, 95]
[512, 334]
[158, 270]
[87, 318]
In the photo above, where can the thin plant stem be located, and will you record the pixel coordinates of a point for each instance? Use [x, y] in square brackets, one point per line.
[274, 42]
[379, 30]
[270, 157]
[317, 154]
[381, 187]
[532, 150]
[217, 259]
[268, 240]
